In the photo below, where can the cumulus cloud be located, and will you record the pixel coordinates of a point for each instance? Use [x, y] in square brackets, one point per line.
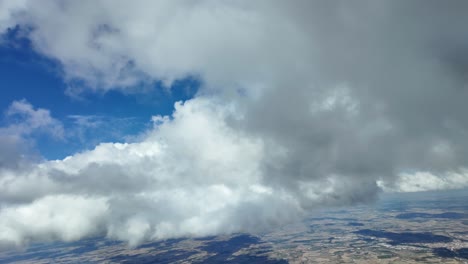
[302, 104]
[24, 120]
[192, 175]
[53, 217]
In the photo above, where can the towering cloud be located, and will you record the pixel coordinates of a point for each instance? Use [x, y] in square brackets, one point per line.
[303, 104]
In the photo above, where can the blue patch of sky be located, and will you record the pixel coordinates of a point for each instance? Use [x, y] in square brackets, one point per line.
[25, 74]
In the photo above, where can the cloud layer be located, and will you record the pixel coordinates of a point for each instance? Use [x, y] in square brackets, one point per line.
[304, 104]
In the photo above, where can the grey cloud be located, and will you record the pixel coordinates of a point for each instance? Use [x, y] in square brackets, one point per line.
[11, 152]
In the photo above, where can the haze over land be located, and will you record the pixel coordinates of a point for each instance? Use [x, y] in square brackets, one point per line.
[300, 104]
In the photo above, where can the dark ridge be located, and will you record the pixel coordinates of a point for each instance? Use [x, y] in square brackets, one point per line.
[332, 218]
[247, 259]
[448, 215]
[167, 257]
[224, 249]
[207, 238]
[405, 237]
[53, 250]
[230, 246]
[447, 253]
[355, 224]
[162, 244]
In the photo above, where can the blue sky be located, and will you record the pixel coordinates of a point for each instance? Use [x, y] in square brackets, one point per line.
[25, 74]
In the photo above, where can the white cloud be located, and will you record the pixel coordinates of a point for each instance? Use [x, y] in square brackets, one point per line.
[191, 176]
[63, 217]
[25, 120]
[22, 123]
[120, 44]
[427, 181]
